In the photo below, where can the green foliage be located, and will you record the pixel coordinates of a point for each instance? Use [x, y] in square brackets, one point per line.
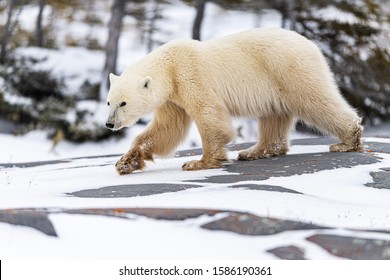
[16, 113]
[35, 100]
[89, 90]
[36, 84]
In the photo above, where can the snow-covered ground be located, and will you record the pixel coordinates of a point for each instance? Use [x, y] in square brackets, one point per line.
[332, 198]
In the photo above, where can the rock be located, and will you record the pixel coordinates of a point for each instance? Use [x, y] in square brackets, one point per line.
[353, 247]
[29, 218]
[249, 224]
[288, 253]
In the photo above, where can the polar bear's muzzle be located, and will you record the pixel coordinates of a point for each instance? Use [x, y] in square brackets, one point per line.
[115, 122]
[113, 126]
[112, 123]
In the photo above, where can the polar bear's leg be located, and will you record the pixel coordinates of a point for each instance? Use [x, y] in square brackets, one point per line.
[340, 120]
[168, 128]
[216, 131]
[274, 132]
[350, 135]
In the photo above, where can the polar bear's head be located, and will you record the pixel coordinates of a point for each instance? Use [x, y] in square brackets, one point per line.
[129, 98]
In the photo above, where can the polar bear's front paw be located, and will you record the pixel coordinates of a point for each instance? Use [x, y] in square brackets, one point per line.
[200, 164]
[134, 160]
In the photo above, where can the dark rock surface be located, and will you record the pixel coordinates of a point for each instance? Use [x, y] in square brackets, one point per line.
[381, 179]
[132, 190]
[297, 164]
[249, 224]
[353, 247]
[268, 188]
[288, 253]
[153, 213]
[30, 218]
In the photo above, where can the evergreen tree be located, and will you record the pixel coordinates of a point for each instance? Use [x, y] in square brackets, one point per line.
[353, 34]
[7, 30]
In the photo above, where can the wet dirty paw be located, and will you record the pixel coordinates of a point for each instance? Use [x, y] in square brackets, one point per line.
[248, 155]
[342, 147]
[274, 150]
[199, 165]
[130, 162]
[254, 155]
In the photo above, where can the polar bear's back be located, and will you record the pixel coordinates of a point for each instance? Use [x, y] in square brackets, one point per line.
[267, 70]
[272, 49]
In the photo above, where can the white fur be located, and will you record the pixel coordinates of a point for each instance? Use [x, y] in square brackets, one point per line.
[272, 74]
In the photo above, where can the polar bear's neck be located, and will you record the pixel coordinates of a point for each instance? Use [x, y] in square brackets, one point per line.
[153, 63]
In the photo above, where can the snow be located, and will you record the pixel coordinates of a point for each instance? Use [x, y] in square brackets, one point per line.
[62, 63]
[335, 198]
[35, 146]
[12, 98]
[333, 13]
[235, 21]
[160, 239]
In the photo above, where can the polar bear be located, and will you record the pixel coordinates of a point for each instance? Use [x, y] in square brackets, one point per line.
[271, 74]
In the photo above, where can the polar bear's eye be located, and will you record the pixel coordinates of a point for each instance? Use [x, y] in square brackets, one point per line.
[108, 103]
[123, 104]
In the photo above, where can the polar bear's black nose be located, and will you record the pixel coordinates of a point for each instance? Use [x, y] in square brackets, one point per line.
[109, 125]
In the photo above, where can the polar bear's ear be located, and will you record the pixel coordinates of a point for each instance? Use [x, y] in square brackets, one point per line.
[113, 78]
[146, 82]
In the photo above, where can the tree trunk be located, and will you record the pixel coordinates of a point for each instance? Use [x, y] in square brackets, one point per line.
[152, 25]
[39, 30]
[90, 21]
[200, 7]
[291, 14]
[7, 32]
[114, 30]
